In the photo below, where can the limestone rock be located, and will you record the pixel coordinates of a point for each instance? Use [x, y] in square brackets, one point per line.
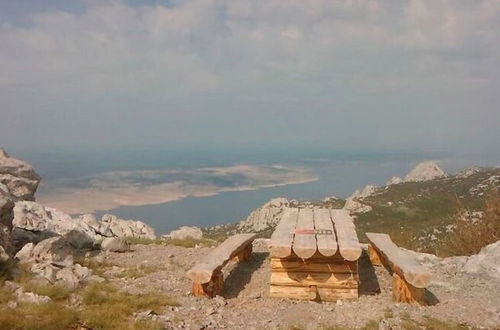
[265, 217]
[468, 172]
[18, 176]
[30, 297]
[115, 244]
[52, 260]
[425, 171]
[354, 202]
[3, 254]
[38, 218]
[485, 263]
[394, 180]
[127, 228]
[34, 222]
[6, 216]
[24, 255]
[55, 250]
[186, 232]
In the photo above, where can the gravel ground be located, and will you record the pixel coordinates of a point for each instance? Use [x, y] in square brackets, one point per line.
[459, 298]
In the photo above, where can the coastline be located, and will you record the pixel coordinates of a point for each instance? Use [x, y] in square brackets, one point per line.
[94, 199]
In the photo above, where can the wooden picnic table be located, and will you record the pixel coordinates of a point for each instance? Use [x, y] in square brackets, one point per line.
[314, 255]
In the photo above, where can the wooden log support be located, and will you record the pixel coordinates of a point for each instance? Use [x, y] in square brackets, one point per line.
[207, 277]
[245, 254]
[374, 257]
[402, 291]
[210, 289]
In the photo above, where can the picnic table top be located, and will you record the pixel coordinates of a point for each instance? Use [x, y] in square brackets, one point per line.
[306, 231]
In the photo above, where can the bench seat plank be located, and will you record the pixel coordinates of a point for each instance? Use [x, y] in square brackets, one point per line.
[304, 244]
[347, 238]
[400, 261]
[282, 238]
[202, 272]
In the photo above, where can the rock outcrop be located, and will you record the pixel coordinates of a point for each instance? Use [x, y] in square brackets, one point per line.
[354, 203]
[185, 232]
[6, 217]
[126, 228]
[394, 180]
[52, 260]
[265, 217]
[34, 222]
[18, 176]
[425, 171]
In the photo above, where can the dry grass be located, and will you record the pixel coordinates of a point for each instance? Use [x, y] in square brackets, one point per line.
[119, 307]
[49, 316]
[103, 307]
[139, 271]
[55, 291]
[430, 323]
[98, 268]
[190, 242]
[144, 241]
[470, 237]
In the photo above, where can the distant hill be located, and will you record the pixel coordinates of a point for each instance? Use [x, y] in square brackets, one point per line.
[418, 211]
[419, 214]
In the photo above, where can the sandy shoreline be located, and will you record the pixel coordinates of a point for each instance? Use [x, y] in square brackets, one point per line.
[111, 195]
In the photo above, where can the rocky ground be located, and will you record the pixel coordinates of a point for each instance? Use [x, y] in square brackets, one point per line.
[461, 299]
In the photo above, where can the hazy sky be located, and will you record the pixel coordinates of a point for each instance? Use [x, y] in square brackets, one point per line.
[348, 74]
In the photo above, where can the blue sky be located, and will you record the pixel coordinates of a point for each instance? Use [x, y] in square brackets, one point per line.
[344, 74]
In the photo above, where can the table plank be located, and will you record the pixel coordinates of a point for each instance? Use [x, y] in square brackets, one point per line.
[282, 238]
[304, 244]
[347, 238]
[327, 243]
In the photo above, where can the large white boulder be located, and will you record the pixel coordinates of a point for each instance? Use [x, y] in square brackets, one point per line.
[185, 232]
[425, 171]
[18, 176]
[485, 263]
[265, 217]
[115, 244]
[52, 260]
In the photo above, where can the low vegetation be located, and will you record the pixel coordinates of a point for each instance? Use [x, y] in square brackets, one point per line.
[119, 307]
[103, 307]
[422, 215]
[469, 234]
[138, 271]
[144, 241]
[52, 315]
[190, 242]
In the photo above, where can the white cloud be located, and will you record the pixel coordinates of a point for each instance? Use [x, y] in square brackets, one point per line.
[267, 49]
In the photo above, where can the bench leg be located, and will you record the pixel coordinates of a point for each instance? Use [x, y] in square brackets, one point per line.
[374, 256]
[211, 289]
[245, 254]
[403, 291]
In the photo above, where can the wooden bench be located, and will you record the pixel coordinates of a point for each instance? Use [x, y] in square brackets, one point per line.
[207, 277]
[410, 279]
